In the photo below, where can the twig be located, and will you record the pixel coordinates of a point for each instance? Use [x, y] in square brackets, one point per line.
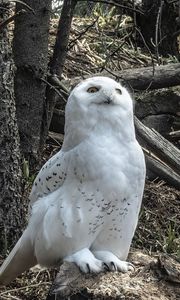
[53, 79]
[4, 8]
[72, 43]
[117, 5]
[158, 31]
[57, 137]
[115, 51]
[8, 297]
[53, 88]
[10, 19]
[147, 47]
[23, 3]
[25, 287]
[175, 134]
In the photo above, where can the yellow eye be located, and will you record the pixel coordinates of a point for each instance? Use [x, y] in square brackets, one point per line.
[92, 89]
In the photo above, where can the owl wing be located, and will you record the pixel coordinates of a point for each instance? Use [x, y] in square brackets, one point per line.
[21, 258]
[51, 177]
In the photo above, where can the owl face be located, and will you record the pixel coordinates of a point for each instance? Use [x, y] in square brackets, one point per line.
[101, 92]
[97, 103]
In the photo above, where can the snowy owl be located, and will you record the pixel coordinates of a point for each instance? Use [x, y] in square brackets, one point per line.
[85, 201]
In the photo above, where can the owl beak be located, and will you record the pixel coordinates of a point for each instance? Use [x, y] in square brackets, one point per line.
[108, 100]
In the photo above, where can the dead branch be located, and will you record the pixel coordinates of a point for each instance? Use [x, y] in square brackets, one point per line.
[145, 78]
[118, 5]
[162, 171]
[175, 134]
[10, 19]
[156, 143]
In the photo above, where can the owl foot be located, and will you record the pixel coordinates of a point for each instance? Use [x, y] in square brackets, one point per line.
[113, 262]
[86, 261]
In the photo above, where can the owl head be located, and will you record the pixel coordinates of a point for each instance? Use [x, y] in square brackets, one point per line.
[100, 93]
[97, 102]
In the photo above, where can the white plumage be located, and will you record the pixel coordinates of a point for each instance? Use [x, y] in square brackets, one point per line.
[85, 201]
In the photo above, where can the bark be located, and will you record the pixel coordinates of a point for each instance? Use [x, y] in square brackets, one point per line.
[158, 26]
[31, 60]
[144, 78]
[11, 207]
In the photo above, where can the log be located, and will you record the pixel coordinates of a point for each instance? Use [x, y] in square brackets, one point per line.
[156, 143]
[163, 171]
[159, 102]
[150, 78]
[157, 276]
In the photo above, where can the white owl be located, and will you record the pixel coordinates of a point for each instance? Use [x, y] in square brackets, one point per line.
[85, 201]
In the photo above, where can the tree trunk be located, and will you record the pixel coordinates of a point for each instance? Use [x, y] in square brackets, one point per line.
[158, 26]
[60, 53]
[11, 212]
[31, 60]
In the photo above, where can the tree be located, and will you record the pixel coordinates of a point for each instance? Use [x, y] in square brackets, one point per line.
[35, 96]
[11, 209]
[58, 58]
[30, 50]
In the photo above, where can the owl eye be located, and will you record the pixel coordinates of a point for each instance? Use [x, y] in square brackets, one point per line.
[119, 91]
[92, 89]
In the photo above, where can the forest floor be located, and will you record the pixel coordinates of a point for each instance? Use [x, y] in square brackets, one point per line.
[93, 47]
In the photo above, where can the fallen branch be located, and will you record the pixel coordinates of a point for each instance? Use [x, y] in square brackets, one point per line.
[156, 143]
[144, 78]
[163, 171]
[175, 134]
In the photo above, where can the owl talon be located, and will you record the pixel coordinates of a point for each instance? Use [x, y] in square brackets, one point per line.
[113, 262]
[106, 267]
[86, 261]
[131, 267]
[88, 267]
[113, 266]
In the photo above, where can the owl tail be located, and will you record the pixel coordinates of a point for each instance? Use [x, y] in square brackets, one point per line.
[20, 259]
